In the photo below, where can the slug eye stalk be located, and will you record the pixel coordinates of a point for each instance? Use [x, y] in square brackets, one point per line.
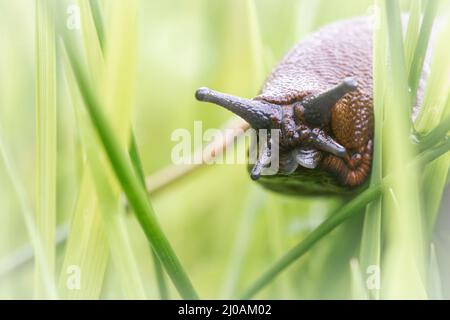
[259, 114]
[261, 163]
[324, 142]
[317, 109]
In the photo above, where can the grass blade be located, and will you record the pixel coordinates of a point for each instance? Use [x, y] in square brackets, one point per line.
[93, 44]
[131, 185]
[350, 209]
[115, 72]
[412, 32]
[47, 278]
[438, 134]
[433, 124]
[112, 211]
[242, 243]
[422, 44]
[370, 252]
[403, 217]
[92, 9]
[257, 47]
[159, 271]
[87, 245]
[345, 212]
[438, 84]
[307, 12]
[46, 133]
[97, 16]
[358, 286]
[434, 278]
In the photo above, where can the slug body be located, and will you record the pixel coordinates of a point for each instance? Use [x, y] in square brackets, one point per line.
[320, 98]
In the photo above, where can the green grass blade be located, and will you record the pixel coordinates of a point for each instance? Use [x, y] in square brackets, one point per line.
[403, 217]
[257, 47]
[370, 252]
[47, 278]
[95, 8]
[433, 124]
[275, 223]
[86, 248]
[46, 132]
[163, 289]
[422, 44]
[434, 278]
[359, 291]
[120, 57]
[435, 177]
[436, 92]
[25, 254]
[412, 32]
[87, 245]
[134, 154]
[113, 75]
[242, 243]
[93, 44]
[347, 211]
[131, 185]
[159, 271]
[436, 135]
[122, 253]
[307, 13]
[112, 211]
[120, 65]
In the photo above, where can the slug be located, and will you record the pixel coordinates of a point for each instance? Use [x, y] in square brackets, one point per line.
[320, 98]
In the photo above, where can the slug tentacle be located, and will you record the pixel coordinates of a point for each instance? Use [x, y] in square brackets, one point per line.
[261, 163]
[322, 141]
[259, 114]
[317, 109]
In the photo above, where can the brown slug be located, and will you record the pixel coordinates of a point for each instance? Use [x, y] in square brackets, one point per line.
[320, 98]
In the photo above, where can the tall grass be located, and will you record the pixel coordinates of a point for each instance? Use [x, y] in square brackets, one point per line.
[97, 50]
[403, 220]
[159, 271]
[370, 252]
[432, 125]
[241, 245]
[87, 244]
[117, 98]
[104, 211]
[46, 160]
[46, 280]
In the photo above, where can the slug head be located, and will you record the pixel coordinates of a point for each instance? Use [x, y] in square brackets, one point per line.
[304, 137]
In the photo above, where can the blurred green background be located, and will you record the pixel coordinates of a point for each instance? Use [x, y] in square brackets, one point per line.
[225, 229]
